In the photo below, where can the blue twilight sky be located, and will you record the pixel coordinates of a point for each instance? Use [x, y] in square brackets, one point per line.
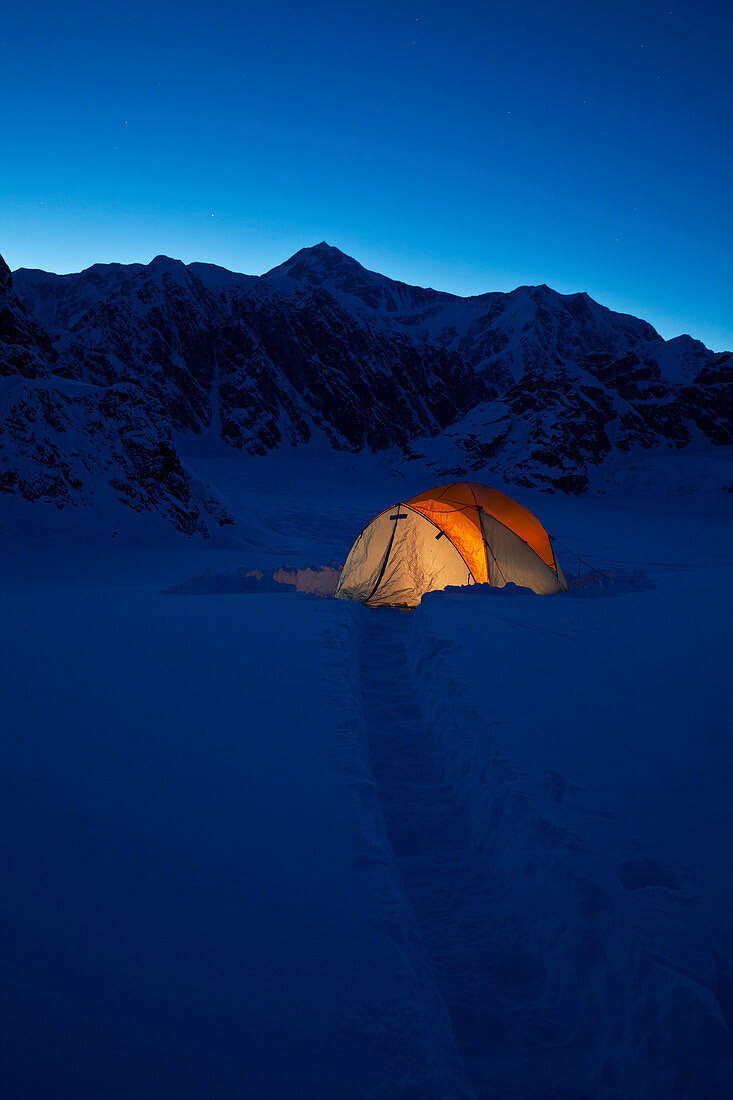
[470, 146]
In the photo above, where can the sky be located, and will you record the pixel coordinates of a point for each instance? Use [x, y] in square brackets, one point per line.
[465, 145]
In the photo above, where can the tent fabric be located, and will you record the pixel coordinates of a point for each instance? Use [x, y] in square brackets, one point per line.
[511, 559]
[468, 499]
[398, 555]
[456, 534]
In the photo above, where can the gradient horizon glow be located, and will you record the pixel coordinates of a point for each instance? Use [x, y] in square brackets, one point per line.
[467, 146]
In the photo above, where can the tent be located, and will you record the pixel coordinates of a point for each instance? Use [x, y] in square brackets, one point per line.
[457, 534]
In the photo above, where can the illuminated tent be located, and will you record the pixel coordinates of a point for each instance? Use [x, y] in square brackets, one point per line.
[457, 534]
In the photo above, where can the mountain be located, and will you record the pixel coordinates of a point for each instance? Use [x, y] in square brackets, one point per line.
[104, 449]
[271, 362]
[328, 267]
[545, 386]
[499, 335]
[562, 420]
[25, 348]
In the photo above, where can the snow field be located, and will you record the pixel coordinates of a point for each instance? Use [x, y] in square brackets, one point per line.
[184, 915]
[595, 989]
[272, 844]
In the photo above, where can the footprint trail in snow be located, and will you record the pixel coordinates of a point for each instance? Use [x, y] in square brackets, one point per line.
[535, 944]
[483, 965]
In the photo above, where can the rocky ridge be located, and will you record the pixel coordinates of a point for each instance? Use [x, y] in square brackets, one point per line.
[104, 370]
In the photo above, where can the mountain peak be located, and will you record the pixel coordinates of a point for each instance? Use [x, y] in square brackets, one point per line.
[326, 266]
[315, 264]
[166, 263]
[6, 279]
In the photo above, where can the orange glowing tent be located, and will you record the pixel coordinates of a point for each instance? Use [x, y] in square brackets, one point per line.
[457, 534]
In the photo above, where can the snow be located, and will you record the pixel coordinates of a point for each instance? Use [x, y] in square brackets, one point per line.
[268, 843]
[612, 718]
[681, 358]
[186, 913]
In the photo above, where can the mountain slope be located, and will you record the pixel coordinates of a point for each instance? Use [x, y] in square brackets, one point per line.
[498, 334]
[103, 450]
[25, 348]
[328, 267]
[544, 385]
[284, 360]
[559, 423]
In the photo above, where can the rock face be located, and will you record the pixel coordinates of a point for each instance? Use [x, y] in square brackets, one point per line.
[77, 445]
[272, 360]
[71, 445]
[543, 385]
[558, 422]
[24, 346]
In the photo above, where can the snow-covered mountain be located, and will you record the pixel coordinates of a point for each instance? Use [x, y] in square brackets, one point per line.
[328, 267]
[270, 361]
[104, 449]
[500, 335]
[95, 448]
[544, 385]
[562, 420]
[25, 347]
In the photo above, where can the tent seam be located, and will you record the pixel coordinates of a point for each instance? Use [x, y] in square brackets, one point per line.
[445, 533]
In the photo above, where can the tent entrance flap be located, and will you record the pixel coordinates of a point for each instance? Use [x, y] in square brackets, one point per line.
[380, 574]
[414, 562]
